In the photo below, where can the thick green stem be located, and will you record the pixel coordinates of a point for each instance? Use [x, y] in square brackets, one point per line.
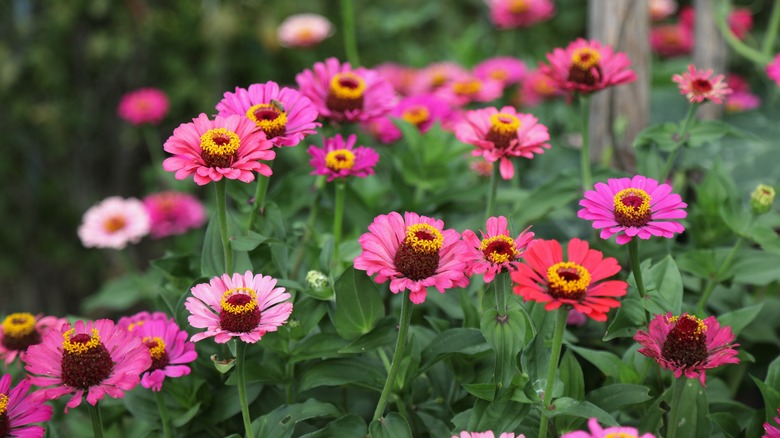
[633, 254]
[241, 382]
[348, 29]
[259, 200]
[772, 30]
[338, 218]
[491, 201]
[555, 355]
[712, 282]
[97, 421]
[737, 44]
[499, 285]
[681, 140]
[400, 347]
[587, 178]
[163, 413]
[674, 412]
[220, 187]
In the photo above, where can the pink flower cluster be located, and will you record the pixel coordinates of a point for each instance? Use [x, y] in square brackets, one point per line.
[675, 38]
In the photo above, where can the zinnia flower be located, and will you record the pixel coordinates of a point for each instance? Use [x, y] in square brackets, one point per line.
[537, 87]
[242, 306]
[687, 345]
[772, 431]
[413, 252]
[741, 101]
[113, 223]
[740, 22]
[468, 88]
[18, 411]
[486, 434]
[421, 110]
[92, 358]
[504, 69]
[697, 86]
[482, 167]
[547, 278]
[284, 115]
[303, 30]
[435, 76]
[499, 135]
[228, 147]
[146, 105]
[497, 251]
[506, 14]
[399, 76]
[340, 159]
[341, 93]
[671, 40]
[629, 207]
[773, 69]
[596, 431]
[20, 330]
[172, 213]
[587, 66]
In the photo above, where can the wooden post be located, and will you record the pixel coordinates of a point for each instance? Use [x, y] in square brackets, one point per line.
[709, 51]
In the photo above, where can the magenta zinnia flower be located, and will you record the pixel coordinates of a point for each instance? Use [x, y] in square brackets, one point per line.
[466, 89]
[499, 135]
[687, 345]
[340, 159]
[669, 40]
[303, 30]
[242, 306]
[506, 14]
[772, 431]
[421, 110]
[228, 147]
[537, 87]
[587, 66]
[413, 252]
[18, 411]
[146, 105]
[435, 76]
[596, 431]
[92, 358]
[341, 93]
[629, 207]
[284, 115]
[113, 223]
[486, 434]
[547, 278]
[697, 86]
[504, 69]
[773, 69]
[741, 101]
[399, 76]
[21, 330]
[172, 213]
[497, 251]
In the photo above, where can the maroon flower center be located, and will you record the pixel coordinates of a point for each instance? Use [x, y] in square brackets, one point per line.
[585, 68]
[85, 360]
[218, 147]
[632, 207]
[346, 92]
[418, 256]
[158, 353]
[701, 86]
[503, 129]
[19, 332]
[685, 345]
[270, 118]
[499, 249]
[239, 312]
[4, 426]
[567, 280]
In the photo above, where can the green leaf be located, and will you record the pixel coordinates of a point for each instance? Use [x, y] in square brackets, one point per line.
[122, 293]
[280, 423]
[535, 205]
[708, 131]
[668, 287]
[348, 426]
[184, 418]
[482, 391]
[608, 363]
[225, 404]
[664, 135]
[455, 340]
[693, 421]
[773, 374]
[756, 267]
[318, 346]
[770, 395]
[498, 415]
[739, 319]
[611, 398]
[212, 262]
[700, 262]
[630, 316]
[384, 334]
[391, 426]
[506, 334]
[308, 313]
[248, 242]
[581, 409]
[727, 424]
[653, 417]
[358, 305]
[335, 372]
[570, 373]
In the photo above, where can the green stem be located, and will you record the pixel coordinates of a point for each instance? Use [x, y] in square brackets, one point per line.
[555, 355]
[674, 412]
[712, 282]
[163, 413]
[633, 254]
[288, 387]
[220, 187]
[771, 31]
[338, 218]
[491, 201]
[259, 200]
[301, 249]
[499, 285]
[350, 43]
[681, 140]
[736, 44]
[97, 421]
[400, 346]
[587, 178]
[154, 145]
[241, 382]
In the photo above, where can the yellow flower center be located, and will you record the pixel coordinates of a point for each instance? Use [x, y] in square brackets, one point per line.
[237, 309]
[544, 86]
[499, 249]
[270, 118]
[340, 159]
[423, 238]
[134, 325]
[632, 207]
[467, 88]
[219, 142]
[79, 347]
[519, 6]
[568, 280]
[17, 325]
[620, 435]
[585, 58]
[3, 403]
[156, 346]
[504, 124]
[416, 115]
[347, 86]
[499, 75]
[114, 224]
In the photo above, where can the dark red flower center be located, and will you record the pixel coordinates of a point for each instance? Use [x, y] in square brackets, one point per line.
[346, 92]
[418, 256]
[701, 86]
[270, 118]
[567, 280]
[239, 311]
[499, 249]
[585, 68]
[632, 207]
[85, 360]
[218, 147]
[685, 345]
[503, 129]
[19, 331]
[158, 353]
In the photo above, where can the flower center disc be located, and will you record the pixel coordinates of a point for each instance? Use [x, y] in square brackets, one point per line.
[346, 92]
[632, 208]
[585, 68]
[467, 88]
[499, 249]
[685, 344]
[568, 280]
[418, 256]
[620, 435]
[114, 224]
[701, 86]
[239, 312]
[218, 147]
[4, 426]
[503, 129]
[340, 159]
[519, 6]
[19, 331]
[157, 351]
[269, 118]
[85, 360]
[416, 115]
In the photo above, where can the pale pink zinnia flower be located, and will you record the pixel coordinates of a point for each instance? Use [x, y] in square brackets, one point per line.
[687, 345]
[146, 105]
[414, 252]
[399, 76]
[740, 101]
[113, 223]
[344, 94]
[596, 431]
[660, 9]
[242, 306]
[421, 110]
[773, 69]
[772, 431]
[504, 69]
[466, 89]
[284, 114]
[18, 410]
[633, 207]
[209, 150]
[507, 14]
[486, 434]
[303, 30]
[537, 87]
[697, 86]
[340, 159]
[499, 135]
[669, 40]
[496, 251]
[20, 330]
[93, 359]
[435, 76]
[172, 213]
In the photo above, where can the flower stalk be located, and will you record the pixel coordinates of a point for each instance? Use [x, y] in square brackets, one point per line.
[338, 218]
[400, 348]
[241, 382]
[350, 42]
[555, 355]
[491, 201]
[259, 199]
[587, 178]
[160, 395]
[681, 140]
[97, 421]
[221, 187]
[674, 411]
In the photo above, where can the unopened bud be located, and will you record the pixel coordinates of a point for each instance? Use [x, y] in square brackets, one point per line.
[762, 198]
[316, 280]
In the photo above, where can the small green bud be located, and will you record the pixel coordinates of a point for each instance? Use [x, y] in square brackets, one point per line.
[762, 198]
[316, 280]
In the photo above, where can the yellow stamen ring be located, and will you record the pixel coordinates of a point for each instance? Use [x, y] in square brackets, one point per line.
[467, 88]
[220, 142]
[495, 256]
[3, 403]
[519, 6]
[347, 86]
[243, 308]
[79, 347]
[423, 238]
[568, 278]
[700, 326]
[340, 159]
[268, 125]
[17, 325]
[585, 58]
[416, 115]
[134, 325]
[628, 211]
[504, 124]
[158, 350]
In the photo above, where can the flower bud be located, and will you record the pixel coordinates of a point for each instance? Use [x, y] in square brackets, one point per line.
[762, 198]
[316, 280]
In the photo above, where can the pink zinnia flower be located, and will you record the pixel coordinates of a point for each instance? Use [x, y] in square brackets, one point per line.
[340, 159]
[697, 86]
[537, 87]
[172, 213]
[773, 69]
[772, 431]
[421, 110]
[496, 251]
[18, 410]
[303, 30]
[669, 40]
[435, 76]
[660, 9]
[284, 115]
[596, 431]
[209, 150]
[146, 105]
[92, 358]
[242, 306]
[467, 89]
[629, 207]
[167, 344]
[740, 22]
[499, 135]
[20, 330]
[113, 223]
[741, 101]
[399, 76]
[504, 69]
[546, 278]
[507, 14]
[687, 345]
[587, 66]
[413, 252]
[486, 434]
[341, 93]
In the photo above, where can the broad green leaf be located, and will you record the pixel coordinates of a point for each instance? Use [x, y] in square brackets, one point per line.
[348, 426]
[664, 135]
[506, 334]
[212, 262]
[122, 293]
[613, 397]
[652, 419]
[773, 374]
[225, 404]
[483, 391]
[608, 363]
[581, 409]
[693, 418]
[498, 415]
[739, 319]
[391, 426]
[308, 313]
[668, 284]
[385, 333]
[535, 205]
[630, 316]
[318, 346]
[358, 305]
[756, 267]
[707, 131]
[247, 242]
[335, 372]
[771, 396]
[184, 418]
[700, 262]
[455, 340]
[570, 373]
[280, 423]
[727, 424]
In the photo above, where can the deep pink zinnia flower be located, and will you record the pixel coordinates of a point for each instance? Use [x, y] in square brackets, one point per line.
[504, 69]
[285, 115]
[421, 110]
[697, 86]
[113, 223]
[547, 278]
[340, 159]
[740, 22]
[506, 14]
[344, 94]
[740, 101]
[468, 88]
[413, 252]
[669, 40]
[772, 431]
[92, 358]
[209, 150]
[596, 431]
[497, 251]
[629, 207]
[499, 135]
[172, 213]
[587, 66]
[435, 76]
[20, 330]
[242, 306]
[18, 410]
[146, 105]
[399, 76]
[486, 434]
[773, 69]
[303, 30]
[537, 87]
[687, 345]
